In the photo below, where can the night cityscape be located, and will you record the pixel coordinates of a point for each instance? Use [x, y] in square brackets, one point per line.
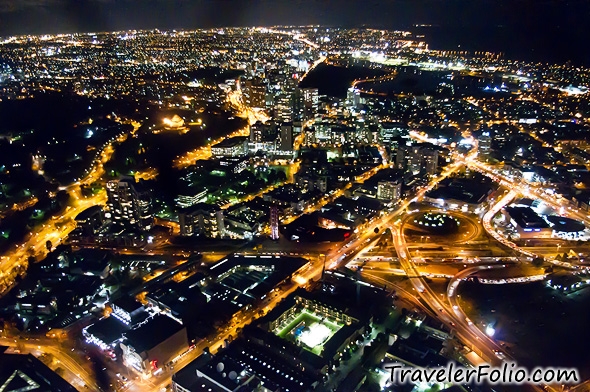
[291, 207]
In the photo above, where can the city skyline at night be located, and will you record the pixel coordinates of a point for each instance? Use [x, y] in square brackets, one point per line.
[293, 196]
[536, 30]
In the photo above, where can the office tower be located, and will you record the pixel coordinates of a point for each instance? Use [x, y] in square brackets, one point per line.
[274, 223]
[202, 219]
[128, 204]
[430, 160]
[286, 137]
[400, 158]
[389, 191]
[90, 220]
[284, 108]
[353, 98]
[415, 159]
[310, 101]
[269, 101]
[254, 93]
[298, 105]
[297, 127]
[256, 132]
[484, 146]
[389, 132]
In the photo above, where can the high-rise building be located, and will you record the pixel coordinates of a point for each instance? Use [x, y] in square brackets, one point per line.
[353, 98]
[128, 204]
[390, 132]
[418, 157]
[312, 181]
[256, 132]
[254, 93]
[269, 101]
[284, 107]
[389, 191]
[297, 127]
[90, 220]
[310, 101]
[430, 160]
[484, 146]
[274, 223]
[401, 156]
[415, 158]
[202, 220]
[298, 105]
[286, 137]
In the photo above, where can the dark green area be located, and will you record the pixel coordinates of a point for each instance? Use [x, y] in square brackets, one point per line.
[541, 326]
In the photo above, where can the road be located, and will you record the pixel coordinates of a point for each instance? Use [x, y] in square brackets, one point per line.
[333, 196]
[241, 319]
[20, 206]
[489, 215]
[292, 168]
[55, 230]
[204, 152]
[61, 354]
[563, 206]
[450, 313]
[340, 256]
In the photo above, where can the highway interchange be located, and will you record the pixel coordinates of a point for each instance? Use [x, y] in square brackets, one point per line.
[409, 256]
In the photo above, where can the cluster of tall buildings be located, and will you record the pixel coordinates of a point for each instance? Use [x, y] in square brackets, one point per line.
[419, 157]
[129, 205]
[128, 216]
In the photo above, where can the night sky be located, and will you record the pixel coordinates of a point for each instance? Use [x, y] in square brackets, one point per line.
[550, 26]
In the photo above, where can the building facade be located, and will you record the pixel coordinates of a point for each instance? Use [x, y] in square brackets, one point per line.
[128, 206]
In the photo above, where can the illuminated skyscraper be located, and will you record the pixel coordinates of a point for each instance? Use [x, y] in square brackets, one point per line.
[254, 93]
[430, 161]
[310, 101]
[274, 223]
[127, 205]
[353, 98]
[389, 191]
[484, 146]
[401, 157]
[283, 111]
[415, 158]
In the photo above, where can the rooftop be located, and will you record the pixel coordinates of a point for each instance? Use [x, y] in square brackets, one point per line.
[152, 333]
[525, 217]
[127, 303]
[566, 225]
[25, 372]
[463, 189]
[108, 329]
[236, 364]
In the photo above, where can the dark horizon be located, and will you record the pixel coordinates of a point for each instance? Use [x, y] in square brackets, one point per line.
[545, 30]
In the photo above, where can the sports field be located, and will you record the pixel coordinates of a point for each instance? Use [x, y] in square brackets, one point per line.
[309, 330]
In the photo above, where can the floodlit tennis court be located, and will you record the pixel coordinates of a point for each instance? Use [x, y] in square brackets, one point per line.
[315, 335]
[308, 329]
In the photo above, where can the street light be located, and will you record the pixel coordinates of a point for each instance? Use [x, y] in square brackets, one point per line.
[490, 331]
